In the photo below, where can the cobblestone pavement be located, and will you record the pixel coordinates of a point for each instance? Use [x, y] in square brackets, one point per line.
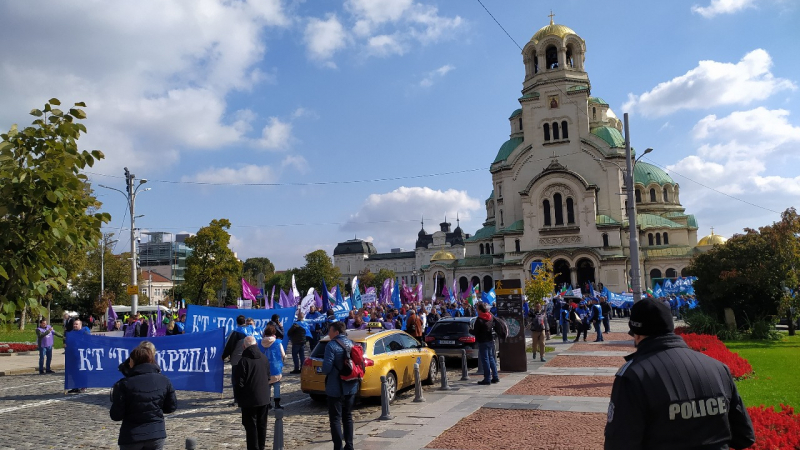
[36, 414]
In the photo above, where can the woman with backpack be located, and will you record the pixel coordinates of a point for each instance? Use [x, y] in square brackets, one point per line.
[539, 328]
[275, 353]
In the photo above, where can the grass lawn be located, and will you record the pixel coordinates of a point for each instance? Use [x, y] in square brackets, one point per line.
[12, 334]
[777, 371]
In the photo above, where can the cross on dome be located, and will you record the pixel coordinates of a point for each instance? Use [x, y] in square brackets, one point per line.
[551, 17]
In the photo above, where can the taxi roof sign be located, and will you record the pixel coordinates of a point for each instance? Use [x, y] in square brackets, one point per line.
[371, 325]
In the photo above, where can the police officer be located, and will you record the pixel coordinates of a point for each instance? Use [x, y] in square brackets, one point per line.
[668, 396]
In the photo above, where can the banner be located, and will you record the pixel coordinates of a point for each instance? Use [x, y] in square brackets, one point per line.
[369, 298]
[577, 292]
[191, 362]
[204, 318]
[340, 311]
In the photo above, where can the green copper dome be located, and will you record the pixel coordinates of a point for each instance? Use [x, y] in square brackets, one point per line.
[517, 112]
[611, 135]
[507, 148]
[645, 174]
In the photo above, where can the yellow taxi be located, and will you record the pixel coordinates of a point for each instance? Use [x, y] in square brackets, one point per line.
[389, 353]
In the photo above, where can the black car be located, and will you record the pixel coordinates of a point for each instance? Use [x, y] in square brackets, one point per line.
[450, 335]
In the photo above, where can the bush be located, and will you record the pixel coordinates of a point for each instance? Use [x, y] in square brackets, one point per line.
[775, 429]
[710, 345]
[763, 329]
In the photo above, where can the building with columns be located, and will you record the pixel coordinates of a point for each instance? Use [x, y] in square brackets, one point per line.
[557, 192]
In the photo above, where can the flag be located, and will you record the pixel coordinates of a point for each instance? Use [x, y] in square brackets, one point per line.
[473, 296]
[435, 287]
[308, 300]
[151, 328]
[160, 323]
[356, 294]
[445, 292]
[386, 292]
[326, 300]
[396, 296]
[295, 293]
[112, 317]
[454, 291]
[419, 292]
[283, 301]
[249, 291]
[490, 297]
[339, 298]
[317, 300]
[271, 299]
[466, 294]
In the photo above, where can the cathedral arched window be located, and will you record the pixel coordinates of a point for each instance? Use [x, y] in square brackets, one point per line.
[594, 113]
[658, 238]
[481, 246]
[666, 196]
[493, 248]
[516, 245]
[501, 217]
[570, 211]
[558, 207]
[605, 239]
[520, 124]
[564, 130]
[535, 62]
[666, 238]
[638, 196]
[652, 195]
[570, 62]
[555, 131]
[551, 57]
[546, 208]
[650, 240]
[547, 132]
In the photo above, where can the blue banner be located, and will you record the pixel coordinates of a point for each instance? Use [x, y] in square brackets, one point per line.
[204, 318]
[191, 362]
[341, 311]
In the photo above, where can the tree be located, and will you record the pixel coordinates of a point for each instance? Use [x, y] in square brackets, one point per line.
[366, 279]
[540, 284]
[86, 283]
[319, 266]
[211, 261]
[748, 273]
[46, 206]
[381, 276]
[253, 266]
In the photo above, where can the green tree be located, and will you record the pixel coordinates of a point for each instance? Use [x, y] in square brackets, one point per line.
[253, 266]
[86, 283]
[46, 206]
[541, 284]
[318, 266]
[381, 276]
[211, 261]
[366, 279]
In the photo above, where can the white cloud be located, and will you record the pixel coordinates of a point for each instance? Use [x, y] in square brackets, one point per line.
[297, 162]
[276, 135]
[385, 45]
[376, 12]
[713, 84]
[156, 63]
[435, 75]
[324, 38]
[717, 7]
[391, 218]
[246, 174]
[756, 132]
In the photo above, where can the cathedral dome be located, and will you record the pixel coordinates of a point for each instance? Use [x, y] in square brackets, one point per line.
[645, 174]
[711, 239]
[442, 255]
[552, 30]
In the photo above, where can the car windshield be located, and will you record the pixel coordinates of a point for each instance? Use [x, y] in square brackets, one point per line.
[450, 328]
[319, 350]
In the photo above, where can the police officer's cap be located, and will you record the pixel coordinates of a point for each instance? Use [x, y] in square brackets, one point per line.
[650, 318]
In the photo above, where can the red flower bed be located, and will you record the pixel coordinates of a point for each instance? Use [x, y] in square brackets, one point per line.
[16, 347]
[711, 345]
[775, 429]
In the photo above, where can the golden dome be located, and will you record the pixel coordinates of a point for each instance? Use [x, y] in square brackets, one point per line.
[442, 255]
[552, 30]
[711, 239]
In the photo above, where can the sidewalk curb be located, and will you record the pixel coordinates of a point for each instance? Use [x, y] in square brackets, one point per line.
[28, 371]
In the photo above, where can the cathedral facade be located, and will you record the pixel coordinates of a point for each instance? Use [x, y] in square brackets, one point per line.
[558, 192]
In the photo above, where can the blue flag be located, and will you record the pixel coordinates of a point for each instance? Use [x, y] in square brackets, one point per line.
[356, 294]
[339, 298]
[326, 303]
[489, 297]
[396, 296]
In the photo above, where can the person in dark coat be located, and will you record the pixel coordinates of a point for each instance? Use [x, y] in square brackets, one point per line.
[252, 393]
[276, 320]
[234, 348]
[485, 338]
[140, 401]
[341, 394]
[669, 396]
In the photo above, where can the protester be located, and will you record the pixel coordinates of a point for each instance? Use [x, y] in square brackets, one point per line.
[276, 355]
[414, 326]
[668, 396]
[564, 321]
[597, 319]
[234, 348]
[140, 401]
[580, 318]
[297, 336]
[314, 327]
[485, 338]
[181, 324]
[252, 393]
[44, 341]
[117, 325]
[539, 327]
[605, 308]
[171, 328]
[276, 320]
[341, 394]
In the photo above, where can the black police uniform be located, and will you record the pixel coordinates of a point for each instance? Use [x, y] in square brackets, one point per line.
[668, 396]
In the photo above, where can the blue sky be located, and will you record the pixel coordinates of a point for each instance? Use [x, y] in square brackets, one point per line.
[299, 92]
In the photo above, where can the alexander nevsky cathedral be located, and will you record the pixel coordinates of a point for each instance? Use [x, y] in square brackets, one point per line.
[557, 192]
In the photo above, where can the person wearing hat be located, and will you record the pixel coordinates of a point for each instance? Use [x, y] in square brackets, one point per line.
[669, 396]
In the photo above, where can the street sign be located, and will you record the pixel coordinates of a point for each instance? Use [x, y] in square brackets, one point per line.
[133, 290]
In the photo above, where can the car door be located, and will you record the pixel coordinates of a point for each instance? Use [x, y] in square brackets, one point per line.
[412, 355]
[397, 348]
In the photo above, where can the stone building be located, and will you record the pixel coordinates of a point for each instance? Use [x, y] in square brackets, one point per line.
[557, 192]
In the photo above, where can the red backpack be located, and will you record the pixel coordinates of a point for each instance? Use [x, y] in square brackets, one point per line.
[354, 364]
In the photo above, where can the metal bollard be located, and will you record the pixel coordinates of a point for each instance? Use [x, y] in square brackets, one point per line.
[445, 386]
[385, 415]
[464, 368]
[418, 398]
[277, 440]
[191, 444]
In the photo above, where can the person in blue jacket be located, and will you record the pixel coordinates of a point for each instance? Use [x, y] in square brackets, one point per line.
[582, 320]
[597, 319]
[341, 394]
[275, 353]
[564, 321]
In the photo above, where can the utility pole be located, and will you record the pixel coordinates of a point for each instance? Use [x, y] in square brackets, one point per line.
[636, 282]
[134, 297]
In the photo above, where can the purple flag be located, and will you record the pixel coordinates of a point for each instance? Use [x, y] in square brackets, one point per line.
[386, 293]
[160, 323]
[454, 292]
[419, 292]
[112, 317]
[466, 294]
[317, 300]
[249, 291]
[271, 299]
[445, 293]
[283, 301]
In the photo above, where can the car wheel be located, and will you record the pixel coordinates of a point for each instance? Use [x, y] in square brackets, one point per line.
[433, 372]
[391, 386]
[319, 398]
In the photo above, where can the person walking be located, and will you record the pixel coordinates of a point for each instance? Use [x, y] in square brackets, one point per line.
[668, 396]
[414, 326]
[77, 327]
[234, 348]
[297, 336]
[275, 353]
[539, 328]
[485, 339]
[597, 319]
[564, 321]
[341, 393]
[44, 340]
[581, 320]
[252, 393]
[276, 320]
[140, 401]
[606, 310]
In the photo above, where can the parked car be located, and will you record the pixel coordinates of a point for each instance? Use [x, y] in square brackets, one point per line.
[450, 335]
[389, 353]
